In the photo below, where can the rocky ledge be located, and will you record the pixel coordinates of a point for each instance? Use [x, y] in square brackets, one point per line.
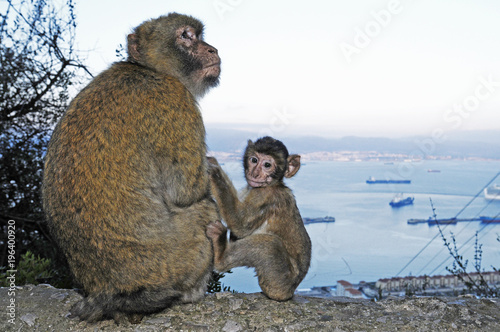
[44, 308]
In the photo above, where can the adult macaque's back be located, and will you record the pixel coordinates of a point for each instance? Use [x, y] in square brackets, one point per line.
[125, 183]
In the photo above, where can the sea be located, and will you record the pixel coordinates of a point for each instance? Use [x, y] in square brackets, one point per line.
[369, 239]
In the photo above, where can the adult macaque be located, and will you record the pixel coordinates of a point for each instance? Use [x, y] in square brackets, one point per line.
[126, 188]
[270, 233]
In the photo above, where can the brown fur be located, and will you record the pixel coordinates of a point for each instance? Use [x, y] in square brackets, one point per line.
[126, 191]
[270, 233]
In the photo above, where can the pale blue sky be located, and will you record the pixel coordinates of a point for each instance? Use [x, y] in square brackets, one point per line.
[384, 68]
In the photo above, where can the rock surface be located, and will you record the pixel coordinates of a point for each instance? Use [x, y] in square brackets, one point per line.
[43, 308]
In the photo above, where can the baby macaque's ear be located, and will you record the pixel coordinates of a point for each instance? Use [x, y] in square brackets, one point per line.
[293, 165]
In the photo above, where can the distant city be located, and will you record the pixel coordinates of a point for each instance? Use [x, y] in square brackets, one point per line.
[440, 285]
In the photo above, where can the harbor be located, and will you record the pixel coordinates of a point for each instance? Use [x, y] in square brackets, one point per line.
[364, 218]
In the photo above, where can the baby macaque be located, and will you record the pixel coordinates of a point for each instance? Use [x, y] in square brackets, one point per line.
[269, 231]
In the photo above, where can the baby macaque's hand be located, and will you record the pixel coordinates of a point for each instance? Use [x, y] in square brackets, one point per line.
[215, 230]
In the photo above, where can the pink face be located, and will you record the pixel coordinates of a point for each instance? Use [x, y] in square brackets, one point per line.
[204, 53]
[260, 169]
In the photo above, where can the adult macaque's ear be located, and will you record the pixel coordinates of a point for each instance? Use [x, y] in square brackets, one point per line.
[133, 47]
[293, 165]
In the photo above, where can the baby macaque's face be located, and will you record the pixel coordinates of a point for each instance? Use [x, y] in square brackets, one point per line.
[260, 170]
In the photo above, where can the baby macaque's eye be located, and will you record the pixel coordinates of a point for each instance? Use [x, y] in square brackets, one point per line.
[253, 160]
[267, 165]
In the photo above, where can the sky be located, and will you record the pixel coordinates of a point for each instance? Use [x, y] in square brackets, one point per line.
[333, 68]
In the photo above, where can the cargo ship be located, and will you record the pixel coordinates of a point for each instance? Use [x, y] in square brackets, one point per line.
[398, 201]
[492, 192]
[372, 180]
